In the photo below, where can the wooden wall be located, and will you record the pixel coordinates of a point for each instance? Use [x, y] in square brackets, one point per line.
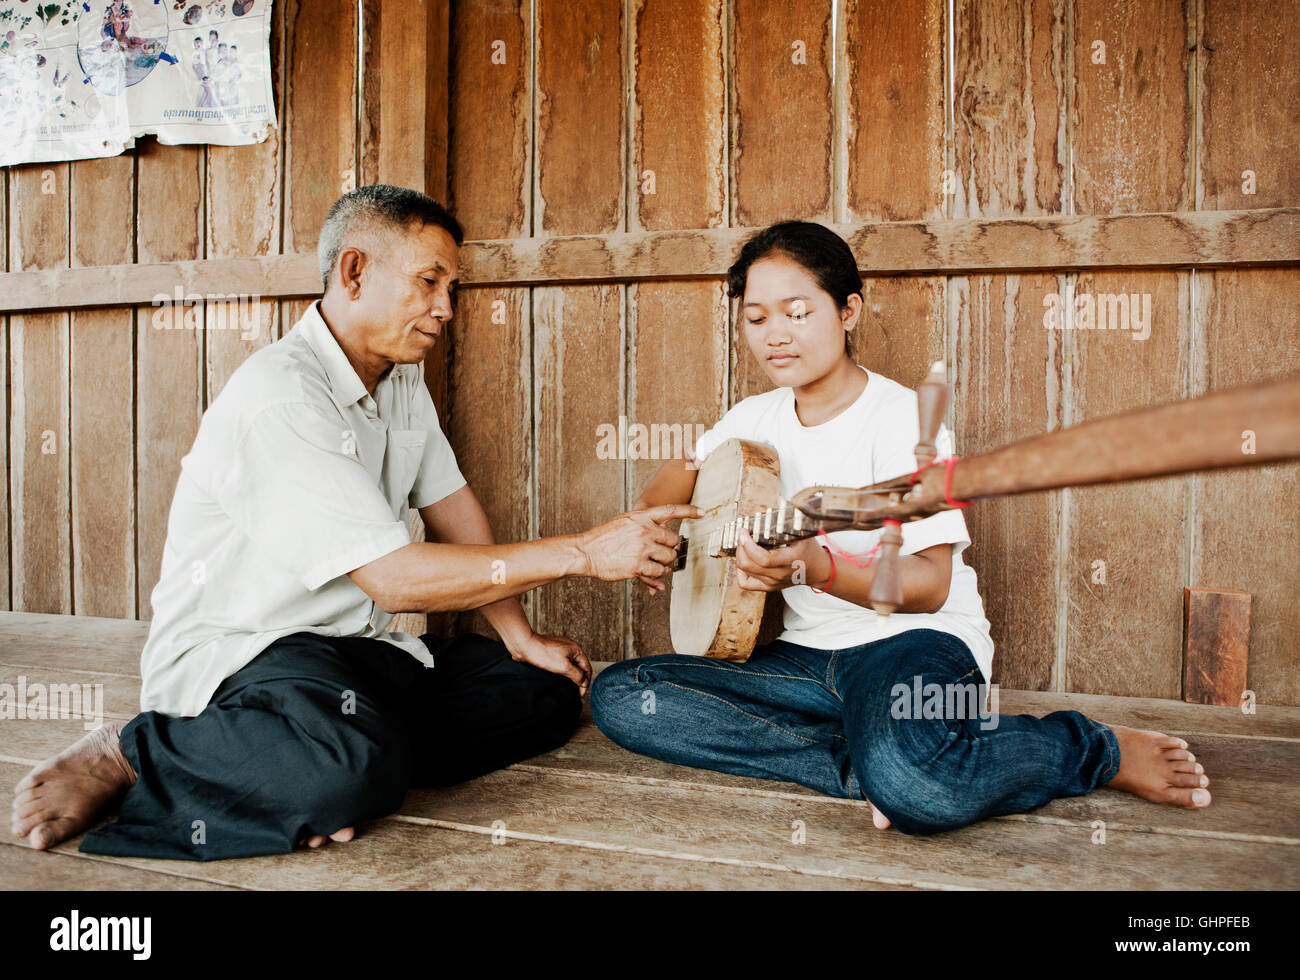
[606, 158]
[102, 404]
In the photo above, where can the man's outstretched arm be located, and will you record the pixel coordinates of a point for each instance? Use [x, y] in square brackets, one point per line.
[459, 519]
[434, 577]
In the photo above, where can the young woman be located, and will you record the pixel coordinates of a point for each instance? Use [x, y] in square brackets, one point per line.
[821, 705]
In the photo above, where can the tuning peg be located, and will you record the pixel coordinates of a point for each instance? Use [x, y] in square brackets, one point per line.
[931, 406]
[887, 587]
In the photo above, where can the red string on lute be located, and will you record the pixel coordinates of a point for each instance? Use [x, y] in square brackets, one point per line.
[831, 549]
[830, 546]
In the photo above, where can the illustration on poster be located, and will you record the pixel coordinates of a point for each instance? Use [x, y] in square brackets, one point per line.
[82, 79]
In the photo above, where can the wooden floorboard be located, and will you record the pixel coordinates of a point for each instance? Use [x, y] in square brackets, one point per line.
[567, 832]
[591, 815]
[397, 854]
[1172, 717]
[22, 869]
[1256, 793]
[119, 696]
[1254, 785]
[840, 842]
[79, 642]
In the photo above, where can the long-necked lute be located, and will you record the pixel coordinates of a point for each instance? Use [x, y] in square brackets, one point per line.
[739, 485]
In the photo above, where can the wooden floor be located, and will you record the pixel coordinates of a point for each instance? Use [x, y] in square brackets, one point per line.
[591, 815]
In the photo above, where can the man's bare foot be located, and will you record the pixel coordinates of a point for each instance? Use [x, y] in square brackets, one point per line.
[62, 796]
[346, 834]
[1159, 768]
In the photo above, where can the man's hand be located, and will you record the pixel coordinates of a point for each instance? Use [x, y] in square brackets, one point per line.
[761, 570]
[635, 544]
[558, 654]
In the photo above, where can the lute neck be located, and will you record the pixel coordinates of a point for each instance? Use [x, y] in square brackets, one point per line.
[771, 527]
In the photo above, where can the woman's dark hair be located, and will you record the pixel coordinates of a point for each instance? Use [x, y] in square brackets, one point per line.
[825, 255]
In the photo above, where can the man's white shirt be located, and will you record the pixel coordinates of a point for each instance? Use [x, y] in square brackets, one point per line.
[871, 440]
[297, 476]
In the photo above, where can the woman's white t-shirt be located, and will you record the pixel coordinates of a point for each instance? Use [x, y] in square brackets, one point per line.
[870, 441]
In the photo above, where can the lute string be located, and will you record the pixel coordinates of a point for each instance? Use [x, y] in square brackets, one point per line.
[784, 516]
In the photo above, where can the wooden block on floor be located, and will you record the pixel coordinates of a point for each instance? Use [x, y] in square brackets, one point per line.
[1216, 645]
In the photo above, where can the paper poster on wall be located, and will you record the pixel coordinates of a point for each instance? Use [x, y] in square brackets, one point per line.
[83, 79]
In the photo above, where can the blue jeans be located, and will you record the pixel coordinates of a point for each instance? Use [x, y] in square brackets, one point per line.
[854, 722]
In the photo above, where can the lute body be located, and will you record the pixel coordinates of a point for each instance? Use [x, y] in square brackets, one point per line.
[738, 485]
[709, 613]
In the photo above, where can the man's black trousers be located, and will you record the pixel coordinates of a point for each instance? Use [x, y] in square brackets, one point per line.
[317, 733]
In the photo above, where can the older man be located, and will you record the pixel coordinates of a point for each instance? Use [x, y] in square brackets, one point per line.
[276, 709]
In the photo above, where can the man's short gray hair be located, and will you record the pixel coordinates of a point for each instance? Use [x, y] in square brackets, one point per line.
[378, 205]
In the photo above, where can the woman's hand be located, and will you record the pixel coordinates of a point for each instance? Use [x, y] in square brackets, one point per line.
[760, 570]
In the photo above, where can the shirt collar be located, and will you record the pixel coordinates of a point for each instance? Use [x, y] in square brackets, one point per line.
[344, 381]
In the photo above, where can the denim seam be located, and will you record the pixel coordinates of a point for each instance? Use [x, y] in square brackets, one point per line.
[855, 787]
[830, 674]
[747, 714]
[710, 663]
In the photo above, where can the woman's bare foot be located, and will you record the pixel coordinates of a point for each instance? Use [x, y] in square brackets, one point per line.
[62, 796]
[1158, 767]
[879, 819]
[346, 834]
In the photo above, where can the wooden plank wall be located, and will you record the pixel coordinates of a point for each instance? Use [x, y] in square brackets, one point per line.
[103, 403]
[1246, 323]
[539, 119]
[736, 114]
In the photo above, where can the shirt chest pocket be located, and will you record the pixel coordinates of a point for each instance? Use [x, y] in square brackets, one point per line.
[402, 465]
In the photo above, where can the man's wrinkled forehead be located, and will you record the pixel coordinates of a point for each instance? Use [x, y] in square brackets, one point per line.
[413, 249]
[434, 248]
